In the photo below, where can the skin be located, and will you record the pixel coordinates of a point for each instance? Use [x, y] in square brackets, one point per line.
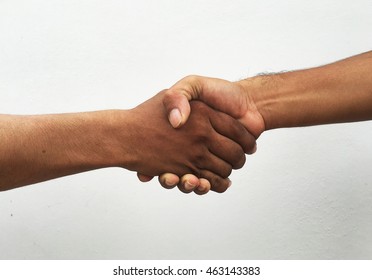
[334, 93]
[43, 147]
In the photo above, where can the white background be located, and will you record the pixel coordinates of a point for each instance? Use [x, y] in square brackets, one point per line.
[306, 193]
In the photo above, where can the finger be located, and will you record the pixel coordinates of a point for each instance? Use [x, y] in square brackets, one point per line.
[177, 107]
[169, 180]
[218, 184]
[176, 99]
[233, 129]
[188, 183]
[203, 188]
[253, 150]
[227, 150]
[144, 178]
[215, 164]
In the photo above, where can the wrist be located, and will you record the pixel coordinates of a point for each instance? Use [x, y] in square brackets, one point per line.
[100, 139]
[277, 98]
[94, 141]
[260, 93]
[263, 91]
[119, 141]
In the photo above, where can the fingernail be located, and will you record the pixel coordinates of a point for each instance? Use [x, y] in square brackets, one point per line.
[189, 186]
[175, 117]
[169, 182]
[230, 182]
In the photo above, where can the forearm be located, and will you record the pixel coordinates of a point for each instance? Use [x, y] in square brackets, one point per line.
[39, 148]
[338, 92]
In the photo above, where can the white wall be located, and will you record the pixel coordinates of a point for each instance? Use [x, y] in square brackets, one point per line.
[306, 194]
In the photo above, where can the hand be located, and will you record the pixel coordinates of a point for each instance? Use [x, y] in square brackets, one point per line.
[231, 98]
[228, 97]
[209, 145]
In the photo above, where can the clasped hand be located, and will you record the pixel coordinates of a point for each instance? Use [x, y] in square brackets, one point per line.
[197, 147]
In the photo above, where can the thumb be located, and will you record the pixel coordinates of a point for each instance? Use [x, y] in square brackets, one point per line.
[177, 107]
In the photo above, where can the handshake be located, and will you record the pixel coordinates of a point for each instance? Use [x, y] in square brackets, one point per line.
[191, 135]
[195, 133]
[214, 122]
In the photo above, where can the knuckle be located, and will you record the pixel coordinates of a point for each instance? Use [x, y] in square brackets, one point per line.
[200, 157]
[167, 93]
[168, 97]
[191, 78]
